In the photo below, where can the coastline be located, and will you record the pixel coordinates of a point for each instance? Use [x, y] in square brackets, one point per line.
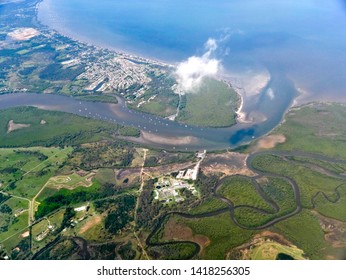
[241, 128]
[241, 116]
[139, 57]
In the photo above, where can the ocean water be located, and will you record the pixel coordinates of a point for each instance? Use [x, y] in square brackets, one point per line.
[275, 51]
[304, 39]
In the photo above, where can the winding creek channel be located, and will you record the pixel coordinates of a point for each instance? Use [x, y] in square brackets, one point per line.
[230, 208]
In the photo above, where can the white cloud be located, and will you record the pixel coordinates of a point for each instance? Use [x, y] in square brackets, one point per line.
[191, 72]
[211, 45]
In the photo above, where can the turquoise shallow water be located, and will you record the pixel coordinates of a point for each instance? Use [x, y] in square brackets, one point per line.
[304, 39]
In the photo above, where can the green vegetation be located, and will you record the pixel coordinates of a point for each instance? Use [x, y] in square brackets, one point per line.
[21, 251]
[273, 250]
[337, 168]
[222, 232]
[148, 208]
[305, 231]
[317, 128]
[60, 129]
[178, 251]
[56, 72]
[102, 155]
[98, 98]
[251, 218]
[206, 185]
[66, 197]
[4, 197]
[26, 170]
[209, 205]
[105, 176]
[126, 251]
[309, 181]
[129, 131]
[61, 250]
[71, 181]
[214, 105]
[159, 99]
[13, 217]
[281, 192]
[159, 158]
[249, 202]
[331, 207]
[45, 193]
[46, 230]
[119, 212]
[241, 191]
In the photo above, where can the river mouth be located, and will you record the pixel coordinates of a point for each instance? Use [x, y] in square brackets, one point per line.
[265, 93]
[266, 98]
[157, 132]
[301, 41]
[269, 90]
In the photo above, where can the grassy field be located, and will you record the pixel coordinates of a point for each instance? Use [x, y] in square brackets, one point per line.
[13, 241]
[317, 128]
[15, 219]
[105, 176]
[45, 193]
[40, 227]
[59, 129]
[92, 226]
[213, 105]
[270, 250]
[26, 170]
[93, 229]
[70, 182]
[66, 197]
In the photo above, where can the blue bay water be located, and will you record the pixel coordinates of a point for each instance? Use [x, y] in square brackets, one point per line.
[305, 39]
[297, 44]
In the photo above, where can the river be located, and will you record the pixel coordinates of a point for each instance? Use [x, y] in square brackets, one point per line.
[159, 132]
[273, 50]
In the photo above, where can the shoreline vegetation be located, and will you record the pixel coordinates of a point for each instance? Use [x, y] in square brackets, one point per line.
[29, 126]
[285, 183]
[96, 75]
[74, 188]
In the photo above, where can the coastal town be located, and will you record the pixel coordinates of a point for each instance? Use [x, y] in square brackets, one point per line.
[68, 66]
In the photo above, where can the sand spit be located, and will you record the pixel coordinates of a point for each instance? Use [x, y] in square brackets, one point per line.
[270, 141]
[150, 137]
[12, 126]
[147, 138]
